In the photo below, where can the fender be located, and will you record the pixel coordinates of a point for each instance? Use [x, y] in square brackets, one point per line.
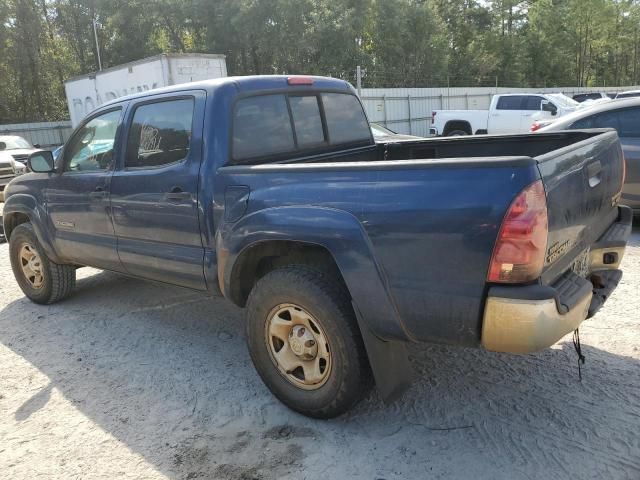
[337, 231]
[28, 205]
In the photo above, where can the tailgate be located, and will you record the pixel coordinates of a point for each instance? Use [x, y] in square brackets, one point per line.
[583, 182]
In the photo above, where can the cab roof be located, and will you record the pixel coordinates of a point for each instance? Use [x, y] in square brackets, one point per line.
[243, 84]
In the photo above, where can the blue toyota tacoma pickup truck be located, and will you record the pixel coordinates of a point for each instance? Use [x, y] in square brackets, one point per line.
[272, 192]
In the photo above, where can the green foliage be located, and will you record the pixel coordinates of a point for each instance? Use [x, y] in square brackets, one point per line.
[397, 42]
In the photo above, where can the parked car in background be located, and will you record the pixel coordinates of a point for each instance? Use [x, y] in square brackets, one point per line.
[272, 192]
[628, 94]
[624, 116]
[9, 169]
[383, 134]
[583, 97]
[508, 113]
[598, 101]
[18, 147]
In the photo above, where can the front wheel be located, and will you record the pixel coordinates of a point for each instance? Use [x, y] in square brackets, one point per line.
[40, 279]
[305, 343]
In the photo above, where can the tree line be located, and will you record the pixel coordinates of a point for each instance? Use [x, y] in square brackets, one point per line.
[398, 43]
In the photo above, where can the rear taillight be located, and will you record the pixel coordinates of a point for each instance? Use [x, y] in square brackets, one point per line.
[433, 115]
[299, 80]
[535, 126]
[518, 254]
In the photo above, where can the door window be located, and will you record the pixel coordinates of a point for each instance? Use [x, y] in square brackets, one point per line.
[510, 102]
[586, 122]
[629, 122]
[532, 103]
[160, 134]
[91, 148]
[626, 122]
[607, 120]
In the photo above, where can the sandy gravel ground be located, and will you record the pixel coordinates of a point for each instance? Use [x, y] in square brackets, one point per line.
[129, 379]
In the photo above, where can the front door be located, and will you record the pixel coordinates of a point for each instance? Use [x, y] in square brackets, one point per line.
[154, 192]
[531, 111]
[78, 197]
[507, 116]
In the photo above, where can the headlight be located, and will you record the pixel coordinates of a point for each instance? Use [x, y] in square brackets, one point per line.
[19, 168]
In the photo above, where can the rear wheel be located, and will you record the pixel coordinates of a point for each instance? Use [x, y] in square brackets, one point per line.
[457, 133]
[40, 279]
[305, 343]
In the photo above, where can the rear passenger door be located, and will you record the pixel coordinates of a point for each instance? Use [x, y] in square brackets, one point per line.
[154, 192]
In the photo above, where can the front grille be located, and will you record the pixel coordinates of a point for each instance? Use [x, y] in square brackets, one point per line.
[4, 171]
[21, 158]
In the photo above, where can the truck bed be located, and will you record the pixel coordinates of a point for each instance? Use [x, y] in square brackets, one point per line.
[430, 226]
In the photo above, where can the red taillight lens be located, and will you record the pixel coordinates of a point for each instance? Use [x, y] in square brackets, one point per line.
[300, 80]
[433, 114]
[535, 126]
[518, 255]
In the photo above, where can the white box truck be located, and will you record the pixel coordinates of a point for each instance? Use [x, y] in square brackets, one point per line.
[86, 92]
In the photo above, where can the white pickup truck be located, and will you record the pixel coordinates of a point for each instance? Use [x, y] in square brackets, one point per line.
[508, 113]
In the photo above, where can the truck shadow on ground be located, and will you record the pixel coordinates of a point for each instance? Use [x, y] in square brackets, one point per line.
[165, 371]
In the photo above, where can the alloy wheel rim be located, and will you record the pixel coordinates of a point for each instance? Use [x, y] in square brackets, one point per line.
[298, 346]
[31, 265]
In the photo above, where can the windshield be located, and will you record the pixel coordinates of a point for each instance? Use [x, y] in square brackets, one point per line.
[14, 143]
[564, 100]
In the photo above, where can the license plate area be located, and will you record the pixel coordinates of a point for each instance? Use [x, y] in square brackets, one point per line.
[580, 265]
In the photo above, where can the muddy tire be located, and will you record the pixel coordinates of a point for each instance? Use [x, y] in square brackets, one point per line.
[41, 280]
[305, 343]
[457, 133]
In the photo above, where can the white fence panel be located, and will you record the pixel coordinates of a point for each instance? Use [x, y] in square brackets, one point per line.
[45, 134]
[404, 110]
[408, 110]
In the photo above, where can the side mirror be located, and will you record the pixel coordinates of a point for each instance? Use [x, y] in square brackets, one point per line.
[3, 146]
[36, 145]
[41, 162]
[547, 106]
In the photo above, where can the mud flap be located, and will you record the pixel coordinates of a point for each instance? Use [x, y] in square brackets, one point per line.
[389, 362]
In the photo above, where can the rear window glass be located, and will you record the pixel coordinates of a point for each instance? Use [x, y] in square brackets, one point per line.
[261, 126]
[307, 120]
[346, 122]
[278, 124]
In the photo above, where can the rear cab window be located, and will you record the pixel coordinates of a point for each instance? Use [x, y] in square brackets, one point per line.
[286, 125]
